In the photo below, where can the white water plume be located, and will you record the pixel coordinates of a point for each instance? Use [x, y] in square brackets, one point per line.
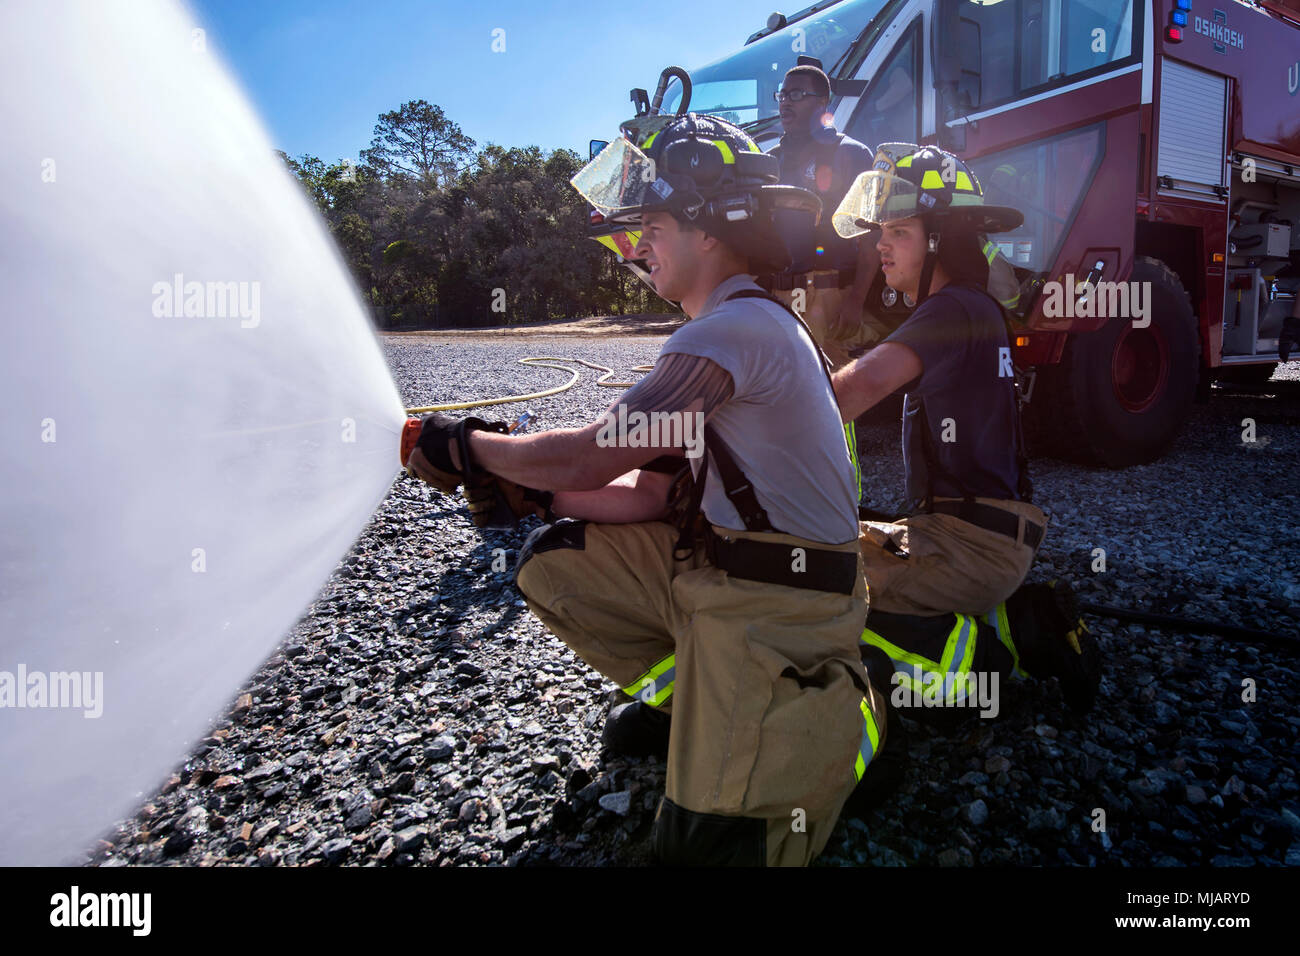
[196, 418]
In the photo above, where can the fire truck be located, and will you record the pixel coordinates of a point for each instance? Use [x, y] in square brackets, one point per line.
[1153, 147]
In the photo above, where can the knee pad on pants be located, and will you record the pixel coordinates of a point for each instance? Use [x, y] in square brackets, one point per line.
[685, 838]
[564, 534]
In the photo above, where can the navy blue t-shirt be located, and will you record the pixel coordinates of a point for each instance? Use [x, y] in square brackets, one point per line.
[968, 388]
[828, 170]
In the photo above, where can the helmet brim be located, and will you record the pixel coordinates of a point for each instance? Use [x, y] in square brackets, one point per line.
[880, 196]
[983, 218]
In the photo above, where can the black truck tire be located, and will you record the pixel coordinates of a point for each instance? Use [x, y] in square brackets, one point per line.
[1120, 394]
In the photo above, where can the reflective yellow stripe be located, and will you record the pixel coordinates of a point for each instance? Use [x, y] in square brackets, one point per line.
[998, 619]
[964, 624]
[963, 181]
[648, 140]
[658, 681]
[931, 179]
[896, 653]
[903, 163]
[728, 156]
[851, 439]
[621, 243]
[991, 251]
[961, 638]
[870, 740]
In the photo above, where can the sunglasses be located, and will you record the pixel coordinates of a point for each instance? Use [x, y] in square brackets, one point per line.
[794, 96]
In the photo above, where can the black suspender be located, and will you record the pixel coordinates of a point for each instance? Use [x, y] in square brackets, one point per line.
[735, 486]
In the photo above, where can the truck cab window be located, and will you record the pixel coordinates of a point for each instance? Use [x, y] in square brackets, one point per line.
[887, 112]
[1011, 48]
[1094, 33]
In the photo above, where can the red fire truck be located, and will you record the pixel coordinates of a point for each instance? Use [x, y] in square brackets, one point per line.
[1154, 142]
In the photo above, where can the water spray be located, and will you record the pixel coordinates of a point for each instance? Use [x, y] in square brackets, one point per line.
[164, 275]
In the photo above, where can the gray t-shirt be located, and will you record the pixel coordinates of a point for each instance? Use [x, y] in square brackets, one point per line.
[782, 423]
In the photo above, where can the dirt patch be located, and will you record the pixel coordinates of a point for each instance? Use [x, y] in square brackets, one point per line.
[650, 324]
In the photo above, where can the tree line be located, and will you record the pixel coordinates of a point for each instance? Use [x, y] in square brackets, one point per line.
[437, 232]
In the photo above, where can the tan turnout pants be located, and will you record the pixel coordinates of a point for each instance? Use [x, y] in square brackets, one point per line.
[952, 565]
[770, 728]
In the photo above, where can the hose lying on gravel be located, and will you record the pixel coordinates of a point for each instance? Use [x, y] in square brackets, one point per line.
[1191, 624]
[536, 361]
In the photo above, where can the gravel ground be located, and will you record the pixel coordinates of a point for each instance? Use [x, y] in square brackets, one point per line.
[419, 714]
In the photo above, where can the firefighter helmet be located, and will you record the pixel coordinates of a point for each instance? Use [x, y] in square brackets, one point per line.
[926, 182]
[703, 171]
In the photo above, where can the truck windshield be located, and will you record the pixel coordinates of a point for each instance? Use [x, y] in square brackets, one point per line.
[739, 88]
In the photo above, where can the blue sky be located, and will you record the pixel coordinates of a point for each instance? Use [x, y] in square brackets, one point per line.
[321, 72]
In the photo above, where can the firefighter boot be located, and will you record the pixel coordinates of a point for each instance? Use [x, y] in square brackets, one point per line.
[885, 772]
[1289, 340]
[636, 729]
[1053, 641]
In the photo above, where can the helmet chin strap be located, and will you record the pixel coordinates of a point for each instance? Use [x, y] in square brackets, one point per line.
[927, 268]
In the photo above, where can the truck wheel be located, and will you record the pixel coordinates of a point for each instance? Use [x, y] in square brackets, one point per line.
[1121, 394]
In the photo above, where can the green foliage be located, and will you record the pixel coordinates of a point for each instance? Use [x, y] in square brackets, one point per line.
[425, 227]
[419, 142]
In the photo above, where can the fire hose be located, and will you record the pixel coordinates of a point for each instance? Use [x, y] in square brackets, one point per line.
[411, 431]
[536, 361]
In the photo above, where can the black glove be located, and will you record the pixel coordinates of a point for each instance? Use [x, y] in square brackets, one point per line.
[434, 464]
[500, 503]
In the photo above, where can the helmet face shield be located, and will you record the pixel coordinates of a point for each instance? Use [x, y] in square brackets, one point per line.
[620, 180]
[701, 170]
[880, 196]
[875, 197]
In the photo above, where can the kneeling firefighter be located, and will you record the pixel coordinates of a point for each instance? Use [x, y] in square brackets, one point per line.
[743, 619]
[945, 580]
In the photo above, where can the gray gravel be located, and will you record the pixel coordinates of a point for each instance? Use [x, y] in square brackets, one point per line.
[419, 714]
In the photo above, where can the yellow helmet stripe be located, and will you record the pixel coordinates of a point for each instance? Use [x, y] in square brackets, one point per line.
[963, 181]
[724, 148]
[931, 180]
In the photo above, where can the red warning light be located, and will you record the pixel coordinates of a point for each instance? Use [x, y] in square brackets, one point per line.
[1174, 34]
